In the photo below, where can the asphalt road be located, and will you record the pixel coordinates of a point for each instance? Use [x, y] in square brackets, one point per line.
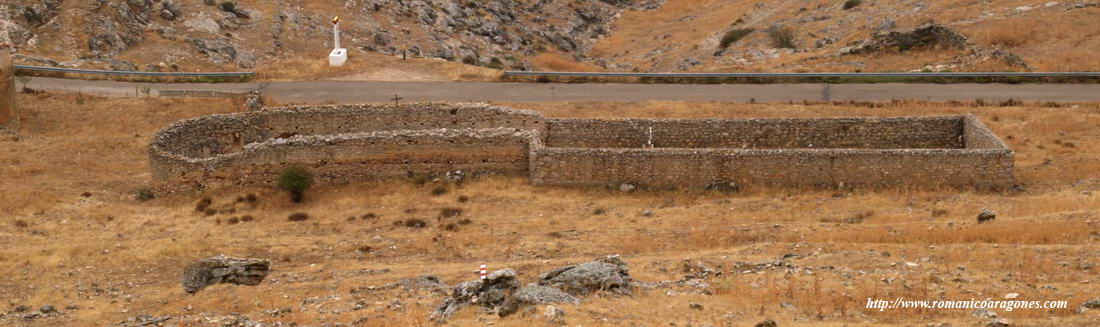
[369, 91]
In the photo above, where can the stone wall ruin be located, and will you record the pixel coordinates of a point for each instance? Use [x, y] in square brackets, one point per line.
[351, 143]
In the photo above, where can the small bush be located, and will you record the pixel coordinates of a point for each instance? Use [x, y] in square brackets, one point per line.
[203, 204]
[450, 227]
[469, 60]
[210, 211]
[465, 221]
[450, 212]
[782, 37]
[144, 194]
[369, 216]
[298, 216]
[439, 190]
[233, 221]
[246, 218]
[463, 199]
[365, 249]
[734, 35]
[599, 211]
[250, 198]
[495, 63]
[412, 223]
[295, 180]
[852, 4]
[228, 6]
[939, 212]
[21, 224]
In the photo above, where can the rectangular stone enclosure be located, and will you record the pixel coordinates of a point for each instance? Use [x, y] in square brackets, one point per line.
[350, 143]
[953, 151]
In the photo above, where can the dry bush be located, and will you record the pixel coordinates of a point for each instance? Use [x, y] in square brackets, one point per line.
[298, 216]
[449, 212]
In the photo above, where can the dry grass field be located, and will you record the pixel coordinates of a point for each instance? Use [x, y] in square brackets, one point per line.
[76, 237]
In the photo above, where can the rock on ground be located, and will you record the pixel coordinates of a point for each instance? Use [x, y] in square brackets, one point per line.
[927, 36]
[490, 293]
[224, 269]
[986, 215]
[605, 274]
[538, 294]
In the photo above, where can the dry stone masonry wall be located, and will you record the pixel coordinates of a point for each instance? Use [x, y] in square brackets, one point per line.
[354, 143]
[8, 117]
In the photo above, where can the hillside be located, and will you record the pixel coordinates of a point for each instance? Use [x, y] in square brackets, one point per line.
[80, 240]
[651, 35]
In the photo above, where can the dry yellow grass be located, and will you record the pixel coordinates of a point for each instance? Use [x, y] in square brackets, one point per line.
[116, 257]
[553, 61]
[375, 67]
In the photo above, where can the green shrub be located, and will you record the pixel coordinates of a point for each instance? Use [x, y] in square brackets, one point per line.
[734, 35]
[295, 180]
[782, 37]
[852, 4]
[228, 6]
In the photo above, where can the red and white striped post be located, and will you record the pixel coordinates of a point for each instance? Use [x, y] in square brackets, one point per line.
[483, 271]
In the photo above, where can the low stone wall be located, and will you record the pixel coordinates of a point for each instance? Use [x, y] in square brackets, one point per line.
[697, 168]
[350, 157]
[860, 133]
[8, 115]
[353, 143]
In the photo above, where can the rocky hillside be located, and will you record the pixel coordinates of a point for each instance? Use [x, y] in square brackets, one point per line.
[193, 34]
[855, 35]
[614, 35]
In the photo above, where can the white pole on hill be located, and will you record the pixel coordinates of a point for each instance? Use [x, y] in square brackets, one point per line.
[339, 55]
[336, 33]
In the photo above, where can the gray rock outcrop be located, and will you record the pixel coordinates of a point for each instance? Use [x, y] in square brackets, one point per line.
[490, 293]
[927, 36]
[604, 274]
[224, 269]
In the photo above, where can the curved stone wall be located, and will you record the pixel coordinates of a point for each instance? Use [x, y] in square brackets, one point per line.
[344, 143]
[353, 143]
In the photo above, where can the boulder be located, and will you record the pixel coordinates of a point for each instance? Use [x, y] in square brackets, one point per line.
[604, 274]
[1089, 305]
[986, 215]
[224, 269]
[490, 293]
[538, 294]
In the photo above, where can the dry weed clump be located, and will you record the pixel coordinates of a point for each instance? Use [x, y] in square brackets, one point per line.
[415, 223]
[204, 204]
[449, 212]
[298, 216]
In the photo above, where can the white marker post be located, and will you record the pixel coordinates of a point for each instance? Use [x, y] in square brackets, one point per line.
[339, 55]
